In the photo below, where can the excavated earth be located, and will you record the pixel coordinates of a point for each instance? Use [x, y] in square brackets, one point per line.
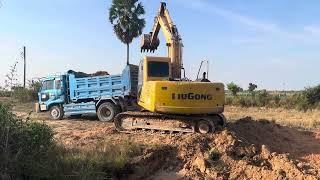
[246, 149]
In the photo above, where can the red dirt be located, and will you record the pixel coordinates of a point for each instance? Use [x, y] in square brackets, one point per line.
[247, 149]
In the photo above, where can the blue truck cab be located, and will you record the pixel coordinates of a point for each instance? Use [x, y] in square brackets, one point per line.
[73, 94]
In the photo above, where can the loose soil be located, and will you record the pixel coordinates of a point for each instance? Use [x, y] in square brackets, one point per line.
[255, 147]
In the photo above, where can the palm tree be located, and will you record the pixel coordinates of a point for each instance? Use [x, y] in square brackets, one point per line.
[125, 16]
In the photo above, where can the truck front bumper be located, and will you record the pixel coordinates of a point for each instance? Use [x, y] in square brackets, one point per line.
[40, 107]
[43, 107]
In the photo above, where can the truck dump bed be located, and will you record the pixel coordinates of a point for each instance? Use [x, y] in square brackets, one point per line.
[95, 87]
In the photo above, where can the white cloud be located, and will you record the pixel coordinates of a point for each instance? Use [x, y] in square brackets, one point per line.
[233, 16]
[250, 22]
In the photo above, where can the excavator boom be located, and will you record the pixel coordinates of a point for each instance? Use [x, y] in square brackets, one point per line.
[150, 42]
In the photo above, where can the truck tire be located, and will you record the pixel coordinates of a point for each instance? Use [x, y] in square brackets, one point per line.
[56, 113]
[107, 111]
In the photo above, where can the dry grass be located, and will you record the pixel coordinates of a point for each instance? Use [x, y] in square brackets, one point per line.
[287, 117]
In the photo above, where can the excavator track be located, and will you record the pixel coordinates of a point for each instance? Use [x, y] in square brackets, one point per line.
[128, 122]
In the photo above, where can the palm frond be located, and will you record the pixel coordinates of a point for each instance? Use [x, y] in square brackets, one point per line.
[125, 16]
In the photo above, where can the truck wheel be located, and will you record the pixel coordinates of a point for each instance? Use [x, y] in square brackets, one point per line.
[107, 111]
[56, 113]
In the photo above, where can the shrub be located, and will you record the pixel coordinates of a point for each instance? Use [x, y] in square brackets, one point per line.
[312, 95]
[233, 88]
[303, 101]
[245, 101]
[24, 145]
[34, 87]
[26, 94]
[22, 95]
[4, 93]
[252, 87]
[262, 98]
[229, 100]
[28, 151]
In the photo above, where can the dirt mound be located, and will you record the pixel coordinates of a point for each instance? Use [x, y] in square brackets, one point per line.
[154, 159]
[223, 156]
[83, 74]
[278, 138]
[229, 154]
[300, 144]
[246, 149]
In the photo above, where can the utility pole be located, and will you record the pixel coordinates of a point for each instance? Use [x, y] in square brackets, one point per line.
[24, 67]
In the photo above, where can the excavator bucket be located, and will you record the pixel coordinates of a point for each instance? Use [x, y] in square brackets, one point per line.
[147, 45]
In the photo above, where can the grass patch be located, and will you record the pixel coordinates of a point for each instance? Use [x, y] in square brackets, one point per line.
[109, 160]
[29, 151]
[305, 100]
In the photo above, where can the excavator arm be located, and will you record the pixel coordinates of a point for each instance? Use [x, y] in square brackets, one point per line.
[151, 42]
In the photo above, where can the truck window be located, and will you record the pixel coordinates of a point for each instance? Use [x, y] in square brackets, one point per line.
[46, 85]
[58, 84]
[158, 69]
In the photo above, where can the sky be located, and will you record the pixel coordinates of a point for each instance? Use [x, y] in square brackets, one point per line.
[272, 43]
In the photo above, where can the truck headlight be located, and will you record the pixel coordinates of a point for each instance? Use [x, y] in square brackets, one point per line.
[43, 96]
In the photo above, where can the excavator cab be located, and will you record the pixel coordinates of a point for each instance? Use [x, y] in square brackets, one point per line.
[153, 69]
[159, 92]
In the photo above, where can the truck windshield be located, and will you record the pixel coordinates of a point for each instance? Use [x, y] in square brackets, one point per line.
[46, 85]
[158, 69]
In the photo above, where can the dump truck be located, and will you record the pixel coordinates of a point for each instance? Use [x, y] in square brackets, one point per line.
[76, 94]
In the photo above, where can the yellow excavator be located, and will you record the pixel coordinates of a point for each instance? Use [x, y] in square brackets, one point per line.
[170, 102]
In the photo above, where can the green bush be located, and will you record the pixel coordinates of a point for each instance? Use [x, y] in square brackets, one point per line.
[312, 96]
[234, 88]
[4, 93]
[24, 145]
[262, 98]
[24, 94]
[303, 100]
[28, 151]
[34, 87]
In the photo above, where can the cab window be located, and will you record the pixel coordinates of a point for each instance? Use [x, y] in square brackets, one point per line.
[58, 84]
[47, 85]
[158, 69]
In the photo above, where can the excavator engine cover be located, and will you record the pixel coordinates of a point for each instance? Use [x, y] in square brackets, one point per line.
[182, 97]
